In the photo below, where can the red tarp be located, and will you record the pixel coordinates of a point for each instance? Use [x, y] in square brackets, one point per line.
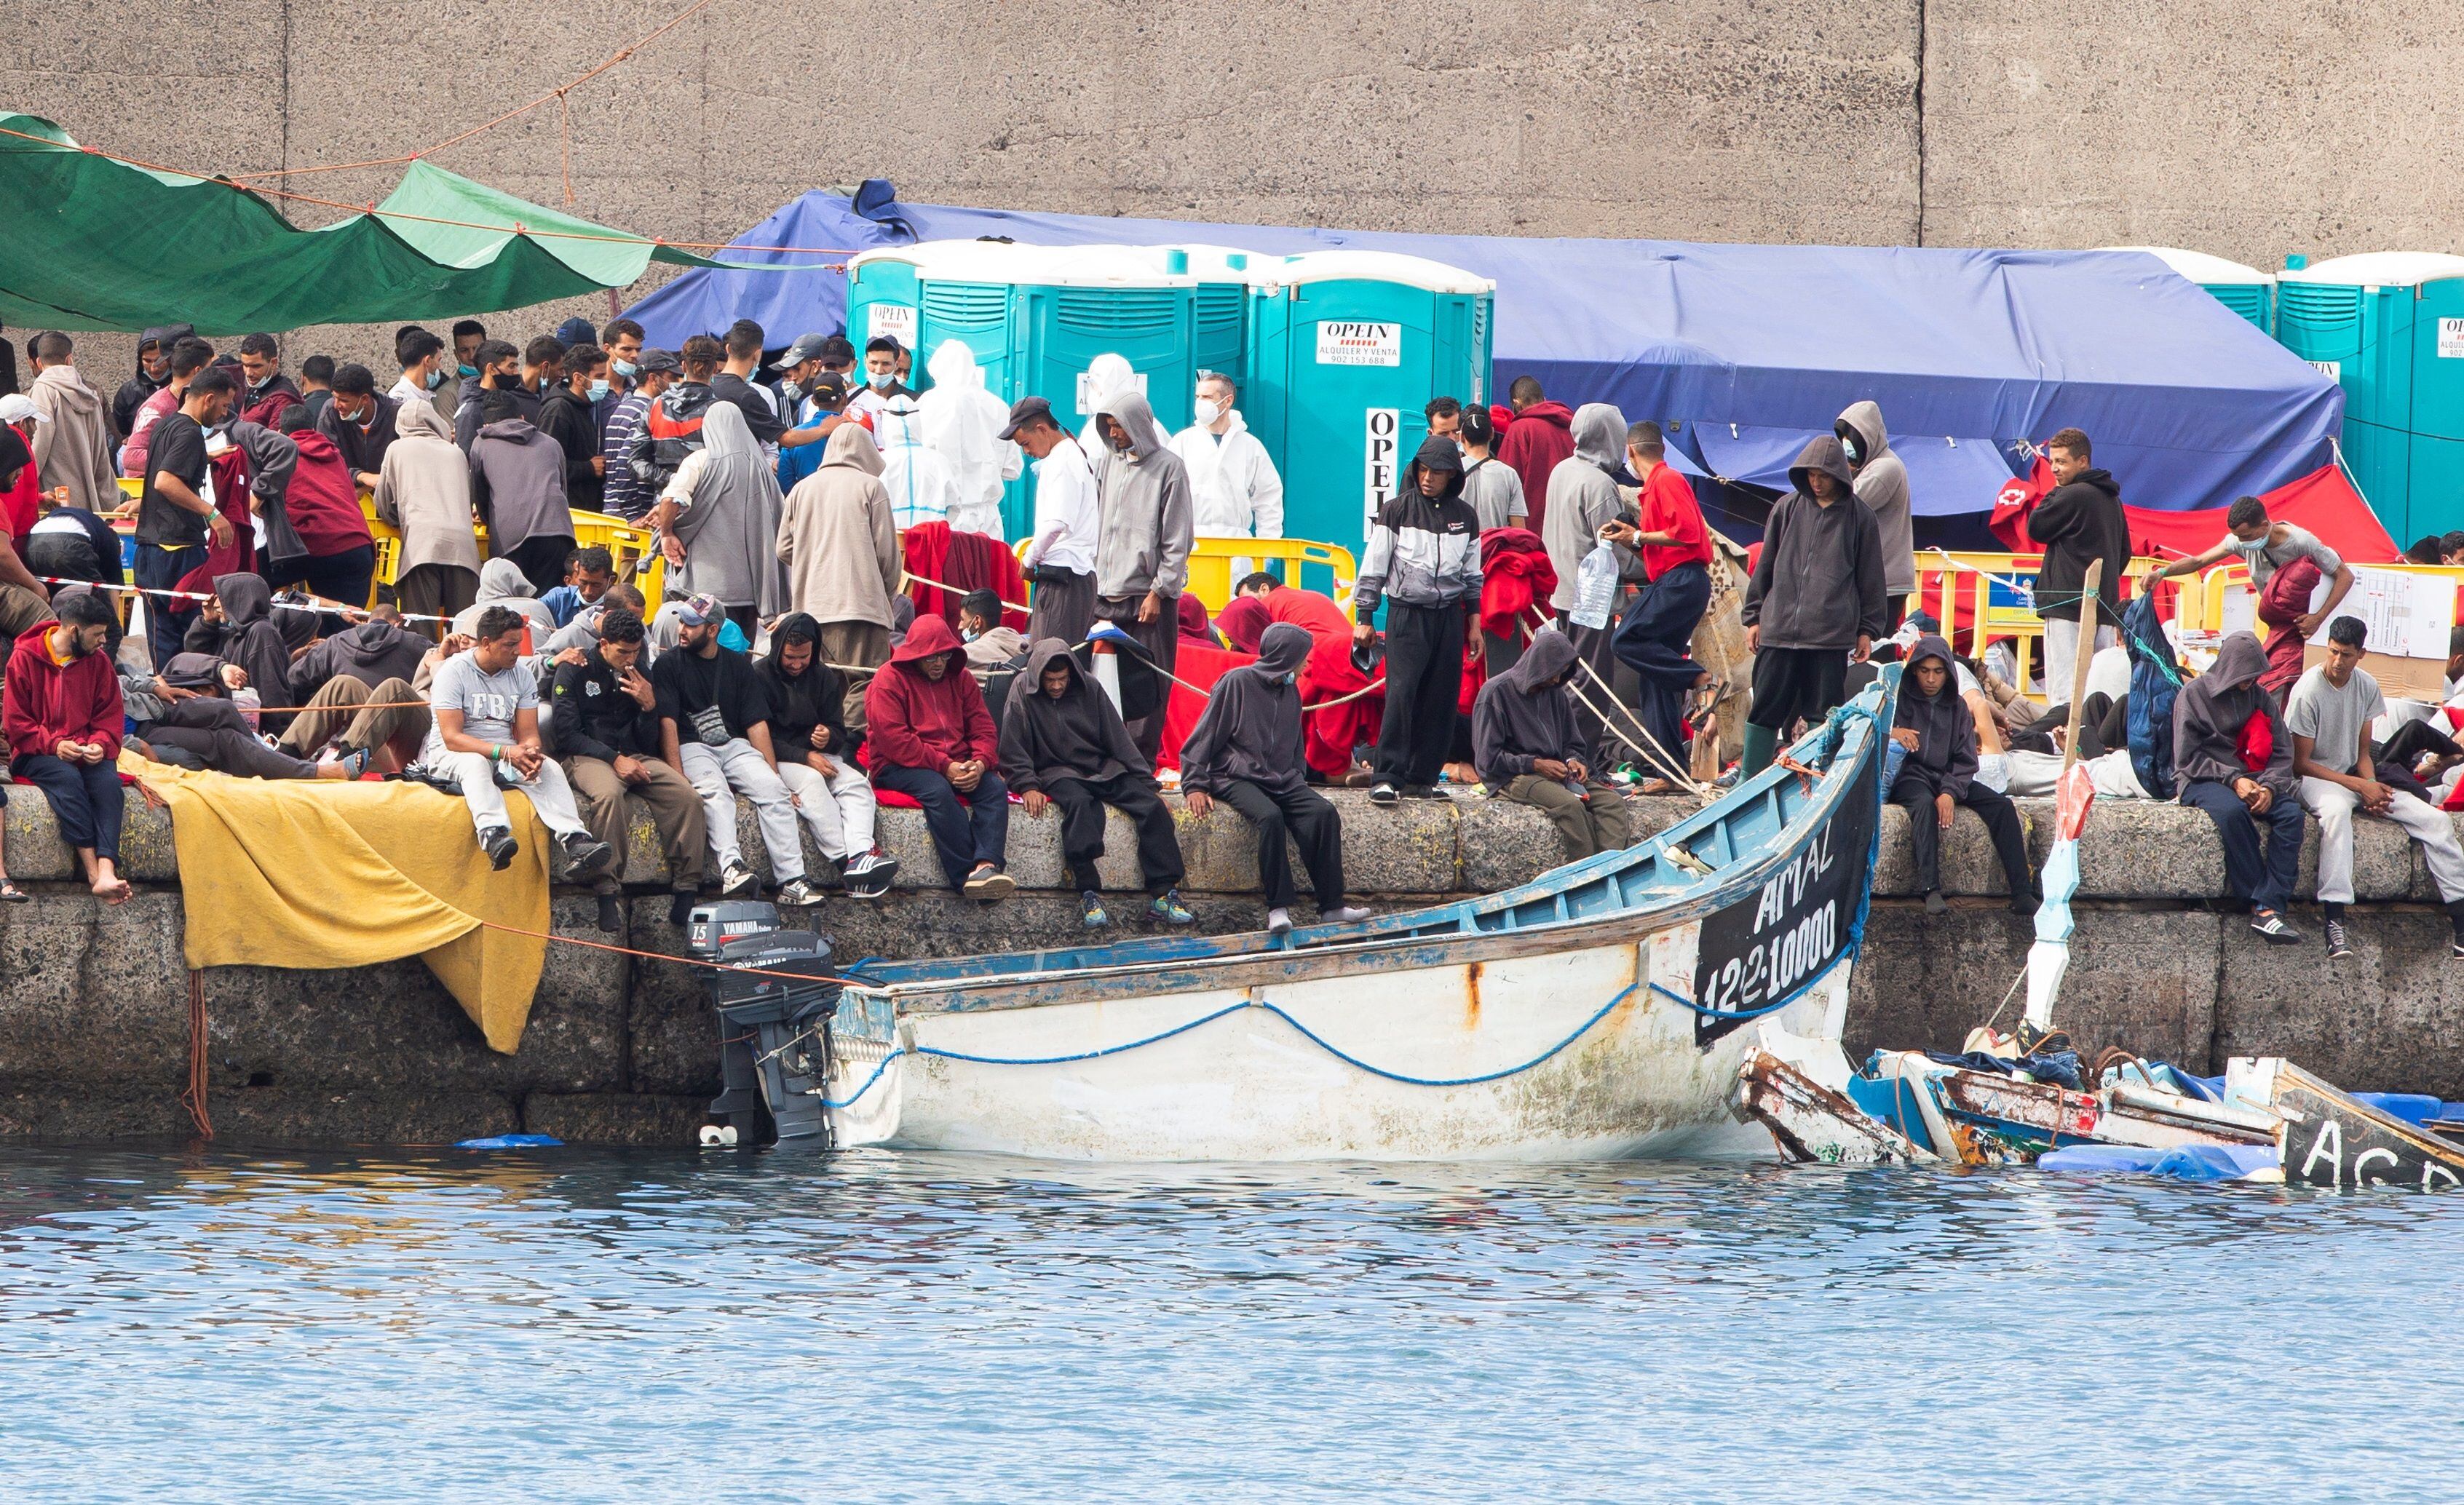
[1202, 667]
[2322, 501]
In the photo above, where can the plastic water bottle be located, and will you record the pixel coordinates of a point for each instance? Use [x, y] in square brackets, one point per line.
[1596, 583]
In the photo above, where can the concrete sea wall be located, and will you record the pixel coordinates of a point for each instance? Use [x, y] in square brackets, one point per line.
[94, 1041]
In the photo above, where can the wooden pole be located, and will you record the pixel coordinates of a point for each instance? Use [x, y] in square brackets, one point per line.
[2080, 660]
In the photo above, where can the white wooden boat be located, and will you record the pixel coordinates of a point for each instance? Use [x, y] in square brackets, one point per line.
[1596, 1011]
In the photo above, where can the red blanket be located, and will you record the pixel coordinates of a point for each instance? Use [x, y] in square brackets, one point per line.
[963, 561]
[1516, 581]
[1202, 667]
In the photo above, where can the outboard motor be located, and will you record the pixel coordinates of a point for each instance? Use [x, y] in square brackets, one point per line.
[774, 1026]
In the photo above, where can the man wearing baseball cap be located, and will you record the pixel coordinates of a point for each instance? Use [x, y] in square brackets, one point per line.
[1060, 558]
[810, 398]
[714, 729]
[621, 492]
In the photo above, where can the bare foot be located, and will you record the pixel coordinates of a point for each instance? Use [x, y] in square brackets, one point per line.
[108, 885]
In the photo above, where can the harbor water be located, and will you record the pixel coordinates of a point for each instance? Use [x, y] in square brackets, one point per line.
[742, 1325]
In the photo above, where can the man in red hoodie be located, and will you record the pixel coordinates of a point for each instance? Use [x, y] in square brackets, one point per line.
[930, 736]
[60, 710]
[322, 502]
[1542, 434]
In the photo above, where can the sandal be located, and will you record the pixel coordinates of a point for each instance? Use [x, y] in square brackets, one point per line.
[11, 893]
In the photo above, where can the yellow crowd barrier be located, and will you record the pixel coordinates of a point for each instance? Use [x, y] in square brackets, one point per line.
[1982, 596]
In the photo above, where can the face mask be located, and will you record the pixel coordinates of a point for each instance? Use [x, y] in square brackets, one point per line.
[1208, 412]
[791, 389]
[435, 380]
[626, 368]
[881, 380]
[598, 389]
[258, 386]
[468, 371]
[968, 635]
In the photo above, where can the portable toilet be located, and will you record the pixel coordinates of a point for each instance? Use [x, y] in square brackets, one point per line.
[1036, 316]
[1221, 342]
[1346, 347]
[2388, 328]
[2247, 291]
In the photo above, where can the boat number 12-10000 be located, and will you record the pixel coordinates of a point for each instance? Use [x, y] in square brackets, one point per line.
[1759, 950]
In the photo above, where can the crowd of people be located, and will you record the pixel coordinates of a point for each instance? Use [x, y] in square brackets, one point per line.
[788, 666]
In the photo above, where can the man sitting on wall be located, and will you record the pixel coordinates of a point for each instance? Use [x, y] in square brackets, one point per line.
[60, 710]
[1528, 749]
[2233, 756]
[487, 740]
[930, 736]
[608, 727]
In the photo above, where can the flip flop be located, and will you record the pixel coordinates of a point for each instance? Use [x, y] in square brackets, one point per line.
[11, 893]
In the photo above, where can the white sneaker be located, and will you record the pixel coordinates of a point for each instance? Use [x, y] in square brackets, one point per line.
[1343, 914]
[1279, 921]
[738, 882]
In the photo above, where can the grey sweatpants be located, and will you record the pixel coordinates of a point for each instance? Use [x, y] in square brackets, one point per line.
[719, 775]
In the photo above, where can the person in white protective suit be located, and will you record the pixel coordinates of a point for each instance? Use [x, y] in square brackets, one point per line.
[1239, 495]
[916, 477]
[1107, 375]
[962, 423]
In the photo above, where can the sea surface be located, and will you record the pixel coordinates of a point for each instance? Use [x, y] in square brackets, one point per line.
[745, 1325]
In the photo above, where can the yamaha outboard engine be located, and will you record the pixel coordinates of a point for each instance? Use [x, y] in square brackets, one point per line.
[774, 1023]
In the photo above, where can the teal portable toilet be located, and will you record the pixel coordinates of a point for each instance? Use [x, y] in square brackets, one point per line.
[1221, 342]
[1036, 316]
[2247, 291]
[1346, 347]
[2388, 328]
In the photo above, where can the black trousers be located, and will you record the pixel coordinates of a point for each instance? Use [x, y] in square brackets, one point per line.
[541, 561]
[1424, 649]
[218, 737]
[1790, 683]
[1655, 641]
[1082, 803]
[1914, 795]
[1313, 824]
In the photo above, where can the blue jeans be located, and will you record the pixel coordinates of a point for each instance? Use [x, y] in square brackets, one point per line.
[166, 622]
[965, 830]
[86, 799]
[2266, 881]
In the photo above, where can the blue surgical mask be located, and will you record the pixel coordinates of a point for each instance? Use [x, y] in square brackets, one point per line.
[881, 380]
[435, 380]
[626, 368]
[470, 371]
[598, 389]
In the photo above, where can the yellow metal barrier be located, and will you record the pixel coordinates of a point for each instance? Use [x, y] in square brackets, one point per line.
[1981, 596]
[1211, 559]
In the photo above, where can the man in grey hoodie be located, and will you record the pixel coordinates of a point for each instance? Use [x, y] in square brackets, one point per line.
[1582, 496]
[1883, 485]
[1814, 604]
[1145, 523]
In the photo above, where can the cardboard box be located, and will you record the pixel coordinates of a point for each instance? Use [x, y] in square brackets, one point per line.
[2412, 679]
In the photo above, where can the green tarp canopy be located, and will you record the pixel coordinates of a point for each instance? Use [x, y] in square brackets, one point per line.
[87, 242]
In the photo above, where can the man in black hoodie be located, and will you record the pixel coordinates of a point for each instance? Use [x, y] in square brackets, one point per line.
[607, 730]
[1939, 775]
[1528, 749]
[1816, 600]
[2233, 756]
[1063, 744]
[1247, 751]
[2079, 521]
[1423, 564]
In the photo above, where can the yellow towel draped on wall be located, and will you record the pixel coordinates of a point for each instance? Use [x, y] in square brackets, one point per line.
[306, 873]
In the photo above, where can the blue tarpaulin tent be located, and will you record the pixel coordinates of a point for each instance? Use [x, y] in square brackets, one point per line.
[1752, 348]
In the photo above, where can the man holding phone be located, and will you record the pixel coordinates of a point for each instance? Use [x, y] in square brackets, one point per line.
[177, 516]
[608, 726]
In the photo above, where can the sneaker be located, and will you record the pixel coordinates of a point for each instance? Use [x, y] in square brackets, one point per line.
[989, 883]
[500, 846]
[2337, 946]
[680, 904]
[1091, 911]
[2456, 949]
[1342, 914]
[588, 858]
[1935, 903]
[1167, 908]
[611, 913]
[797, 892]
[1423, 792]
[739, 881]
[1279, 921]
[1382, 793]
[2273, 929]
[869, 873]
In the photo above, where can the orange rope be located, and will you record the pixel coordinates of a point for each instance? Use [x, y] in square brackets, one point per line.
[193, 1097]
[661, 957]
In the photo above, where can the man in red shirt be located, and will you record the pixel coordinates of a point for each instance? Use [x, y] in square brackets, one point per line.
[60, 710]
[1656, 638]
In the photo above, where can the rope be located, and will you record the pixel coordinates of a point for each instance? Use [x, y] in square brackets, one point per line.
[1682, 1000]
[317, 605]
[193, 1097]
[953, 590]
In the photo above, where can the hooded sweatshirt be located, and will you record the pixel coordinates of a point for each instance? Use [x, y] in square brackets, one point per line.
[372, 653]
[1147, 517]
[2078, 522]
[247, 636]
[1524, 714]
[914, 722]
[801, 702]
[424, 488]
[836, 538]
[1539, 437]
[1582, 496]
[517, 482]
[322, 498]
[43, 703]
[1944, 759]
[72, 445]
[502, 584]
[2211, 717]
[566, 418]
[962, 423]
[1819, 582]
[1423, 551]
[1883, 485]
[1251, 727]
[1077, 735]
[727, 494]
[134, 391]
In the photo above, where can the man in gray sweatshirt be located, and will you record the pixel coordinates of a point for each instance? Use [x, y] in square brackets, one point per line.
[1883, 485]
[1146, 522]
[1582, 496]
[1814, 604]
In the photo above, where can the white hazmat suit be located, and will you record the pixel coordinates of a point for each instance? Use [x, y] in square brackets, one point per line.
[962, 423]
[913, 474]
